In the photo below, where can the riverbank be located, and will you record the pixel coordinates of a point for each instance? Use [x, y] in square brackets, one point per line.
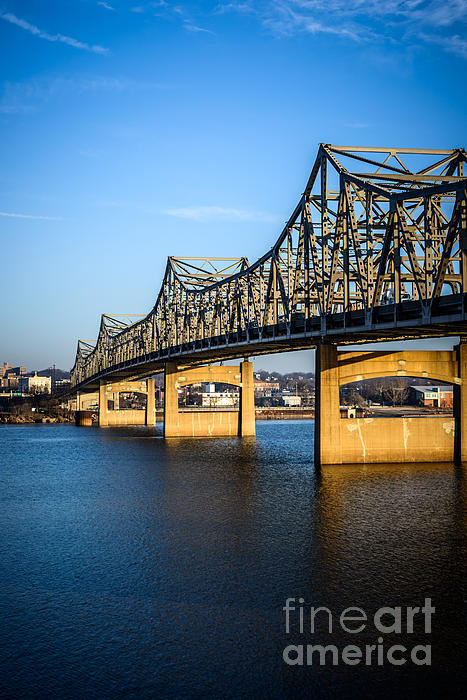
[284, 413]
[13, 419]
[261, 414]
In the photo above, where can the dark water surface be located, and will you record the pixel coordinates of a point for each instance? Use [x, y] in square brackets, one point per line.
[137, 568]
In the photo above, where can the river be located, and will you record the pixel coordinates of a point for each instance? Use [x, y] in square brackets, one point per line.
[134, 567]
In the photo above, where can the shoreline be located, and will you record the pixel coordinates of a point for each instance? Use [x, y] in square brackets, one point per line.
[261, 414]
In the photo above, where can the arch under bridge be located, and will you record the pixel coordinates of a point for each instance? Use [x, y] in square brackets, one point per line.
[376, 249]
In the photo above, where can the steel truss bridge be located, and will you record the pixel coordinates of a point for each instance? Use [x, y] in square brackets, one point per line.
[376, 249]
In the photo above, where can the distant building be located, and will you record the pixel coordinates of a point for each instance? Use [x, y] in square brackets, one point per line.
[60, 386]
[227, 397]
[436, 396]
[5, 368]
[10, 375]
[265, 388]
[213, 399]
[34, 384]
[8, 370]
[291, 400]
[65, 383]
[9, 382]
[17, 371]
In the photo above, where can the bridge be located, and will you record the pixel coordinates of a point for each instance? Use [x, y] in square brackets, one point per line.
[375, 250]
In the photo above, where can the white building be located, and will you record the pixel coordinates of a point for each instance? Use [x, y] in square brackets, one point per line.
[35, 385]
[291, 400]
[210, 398]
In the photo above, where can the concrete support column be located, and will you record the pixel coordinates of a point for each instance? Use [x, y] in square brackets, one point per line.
[247, 400]
[83, 418]
[78, 401]
[150, 402]
[171, 421]
[460, 405]
[116, 400]
[209, 423]
[327, 406]
[103, 407]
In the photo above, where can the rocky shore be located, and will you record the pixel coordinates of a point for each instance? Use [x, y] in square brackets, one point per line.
[284, 413]
[11, 419]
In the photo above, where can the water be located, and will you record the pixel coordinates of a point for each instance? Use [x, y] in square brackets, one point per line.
[138, 568]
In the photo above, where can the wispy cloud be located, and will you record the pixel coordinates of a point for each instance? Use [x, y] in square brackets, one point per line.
[154, 5]
[194, 28]
[20, 98]
[420, 21]
[435, 12]
[61, 38]
[452, 44]
[30, 216]
[242, 7]
[106, 5]
[290, 17]
[170, 11]
[12, 103]
[213, 213]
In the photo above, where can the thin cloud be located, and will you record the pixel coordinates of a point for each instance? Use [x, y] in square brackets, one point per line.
[292, 17]
[21, 98]
[61, 38]
[452, 44]
[422, 21]
[164, 10]
[107, 6]
[156, 4]
[206, 214]
[241, 7]
[194, 28]
[15, 108]
[436, 12]
[30, 216]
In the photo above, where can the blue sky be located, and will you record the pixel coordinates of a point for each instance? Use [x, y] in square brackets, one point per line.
[135, 130]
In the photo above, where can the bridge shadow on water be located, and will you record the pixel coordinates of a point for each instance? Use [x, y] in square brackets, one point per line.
[138, 567]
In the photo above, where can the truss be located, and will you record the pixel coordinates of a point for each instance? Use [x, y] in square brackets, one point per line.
[377, 241]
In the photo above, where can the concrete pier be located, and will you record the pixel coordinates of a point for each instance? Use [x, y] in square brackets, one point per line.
[110, 392]
[405, 439]
[209, 423]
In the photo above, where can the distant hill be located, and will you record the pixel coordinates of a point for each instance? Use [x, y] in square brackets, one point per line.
[59, 373]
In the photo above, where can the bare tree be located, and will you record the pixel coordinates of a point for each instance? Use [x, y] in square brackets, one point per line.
[396, 391]
[357, 399]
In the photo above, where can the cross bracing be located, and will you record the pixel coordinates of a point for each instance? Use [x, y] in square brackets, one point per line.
[376, 248]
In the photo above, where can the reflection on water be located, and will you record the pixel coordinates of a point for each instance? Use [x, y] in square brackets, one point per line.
[138, 567]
